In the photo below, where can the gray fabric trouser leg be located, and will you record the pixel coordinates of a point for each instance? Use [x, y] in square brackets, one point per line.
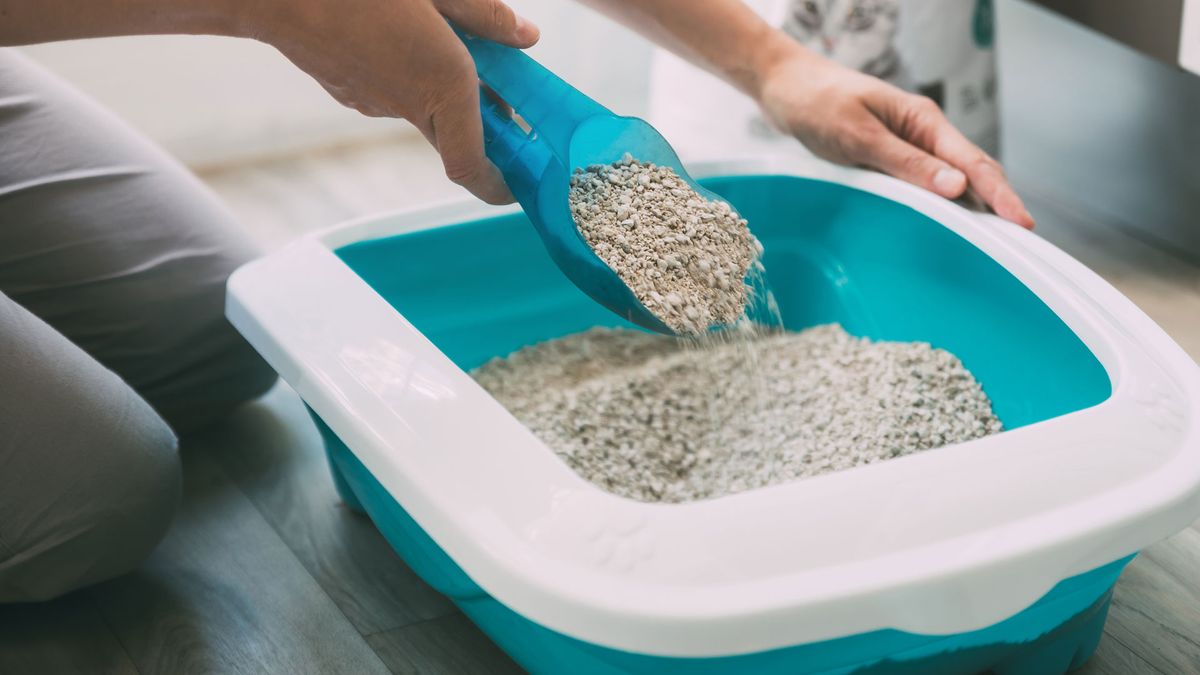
[113, 260]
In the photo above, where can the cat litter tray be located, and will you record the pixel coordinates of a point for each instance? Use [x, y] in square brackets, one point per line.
[997, 553]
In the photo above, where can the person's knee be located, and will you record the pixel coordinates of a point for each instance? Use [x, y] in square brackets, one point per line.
[195, 368]
[127, 259]
[99, 519]
[206, 368]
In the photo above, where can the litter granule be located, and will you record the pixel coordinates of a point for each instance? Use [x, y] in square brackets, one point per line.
[656, 418]
[683, 256]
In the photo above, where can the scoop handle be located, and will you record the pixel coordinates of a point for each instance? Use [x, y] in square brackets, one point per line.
[552, 107]
[522, 159]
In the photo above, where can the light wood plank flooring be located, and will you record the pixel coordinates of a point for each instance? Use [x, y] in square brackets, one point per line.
[264, 571]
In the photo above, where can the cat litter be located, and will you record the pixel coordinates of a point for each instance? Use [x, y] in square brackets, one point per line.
[655, 419]
[683, 256]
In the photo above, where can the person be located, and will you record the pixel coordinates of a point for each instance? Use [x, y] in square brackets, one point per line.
[113, 258]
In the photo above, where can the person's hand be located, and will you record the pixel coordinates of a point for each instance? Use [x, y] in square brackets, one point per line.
[400, 58]
[851, 118]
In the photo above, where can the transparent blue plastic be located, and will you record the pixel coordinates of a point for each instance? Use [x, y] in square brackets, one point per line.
[568, 131]
[833, 254]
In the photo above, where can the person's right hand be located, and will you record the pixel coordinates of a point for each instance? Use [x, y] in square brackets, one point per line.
[399, 58]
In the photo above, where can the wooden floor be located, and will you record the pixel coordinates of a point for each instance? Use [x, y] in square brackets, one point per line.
[265, 572]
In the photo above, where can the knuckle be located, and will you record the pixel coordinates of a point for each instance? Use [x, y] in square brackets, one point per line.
[500, 17]
[925, 106]
[441, 99]
[851, 145]
[914, 164]
[984, 162]
[861, 143]
[462, 172]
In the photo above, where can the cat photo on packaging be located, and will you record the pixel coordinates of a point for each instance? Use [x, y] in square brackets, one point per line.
[860, 34]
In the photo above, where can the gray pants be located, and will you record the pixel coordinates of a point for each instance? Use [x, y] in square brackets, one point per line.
[113, 260]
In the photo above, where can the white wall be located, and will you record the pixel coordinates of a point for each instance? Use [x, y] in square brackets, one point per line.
[216, 100]
[207, 99]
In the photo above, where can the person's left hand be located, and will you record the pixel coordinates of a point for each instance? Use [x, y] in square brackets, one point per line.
[851, 118]
[400, 58]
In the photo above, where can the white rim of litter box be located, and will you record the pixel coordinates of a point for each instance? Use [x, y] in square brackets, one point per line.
[941, 542]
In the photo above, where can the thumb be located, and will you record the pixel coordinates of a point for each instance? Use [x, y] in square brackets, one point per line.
[490, 19]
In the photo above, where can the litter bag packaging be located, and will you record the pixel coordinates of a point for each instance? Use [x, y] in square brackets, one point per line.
[940, 48]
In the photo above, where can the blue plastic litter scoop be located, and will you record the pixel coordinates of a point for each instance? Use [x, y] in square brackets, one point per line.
[568, 131]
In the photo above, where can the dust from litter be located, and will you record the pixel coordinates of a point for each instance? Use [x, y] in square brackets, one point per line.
[683, 256]
[656, 418]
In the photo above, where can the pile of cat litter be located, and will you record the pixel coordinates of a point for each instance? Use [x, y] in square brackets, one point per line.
[660, 419]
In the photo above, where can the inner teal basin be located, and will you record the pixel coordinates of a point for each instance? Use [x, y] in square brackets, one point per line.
[486, 288]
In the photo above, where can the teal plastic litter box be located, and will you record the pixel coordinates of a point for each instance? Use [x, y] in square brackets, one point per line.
[998, 553]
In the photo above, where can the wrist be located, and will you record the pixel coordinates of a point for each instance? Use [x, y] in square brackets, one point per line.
[770, 54]
[195, 17]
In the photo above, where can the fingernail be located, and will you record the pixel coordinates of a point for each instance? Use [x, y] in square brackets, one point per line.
[525, 30]
[949, 182]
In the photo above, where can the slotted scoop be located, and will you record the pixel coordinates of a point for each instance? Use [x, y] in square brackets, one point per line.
[568, 131]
